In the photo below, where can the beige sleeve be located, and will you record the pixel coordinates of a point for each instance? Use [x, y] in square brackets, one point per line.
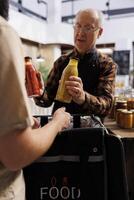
[14, 108]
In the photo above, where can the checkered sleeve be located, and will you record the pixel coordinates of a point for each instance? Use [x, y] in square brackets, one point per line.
[100, 102]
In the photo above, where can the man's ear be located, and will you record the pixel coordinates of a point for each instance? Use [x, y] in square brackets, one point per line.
[100, 32]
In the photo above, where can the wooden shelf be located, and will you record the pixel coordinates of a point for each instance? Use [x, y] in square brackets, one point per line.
[111, 124]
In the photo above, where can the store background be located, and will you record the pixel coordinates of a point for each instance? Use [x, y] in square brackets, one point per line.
[46, 30]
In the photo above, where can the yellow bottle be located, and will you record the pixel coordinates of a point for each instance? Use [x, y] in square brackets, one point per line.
[70, 70]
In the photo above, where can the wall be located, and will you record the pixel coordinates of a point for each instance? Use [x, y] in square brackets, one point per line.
[41, 32]
[118, 29]
[115, 30]
[97, 4]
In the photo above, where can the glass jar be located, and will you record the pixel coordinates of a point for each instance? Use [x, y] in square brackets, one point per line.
[119, 116]
[133, 117]
[126, 119]
[120, 104]
[130, 99]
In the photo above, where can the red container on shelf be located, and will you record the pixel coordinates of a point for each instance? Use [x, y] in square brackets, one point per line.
[33, 82]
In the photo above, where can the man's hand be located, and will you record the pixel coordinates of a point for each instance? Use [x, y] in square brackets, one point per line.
[74, 87]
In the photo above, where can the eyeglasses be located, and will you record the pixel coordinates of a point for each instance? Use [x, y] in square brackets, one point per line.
[85, 29]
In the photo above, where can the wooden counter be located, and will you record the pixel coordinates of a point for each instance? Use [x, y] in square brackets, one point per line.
[111, 124]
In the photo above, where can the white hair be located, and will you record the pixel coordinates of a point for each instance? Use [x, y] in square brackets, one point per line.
[99, 14]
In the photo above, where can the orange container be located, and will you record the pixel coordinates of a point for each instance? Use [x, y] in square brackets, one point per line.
[33, 79]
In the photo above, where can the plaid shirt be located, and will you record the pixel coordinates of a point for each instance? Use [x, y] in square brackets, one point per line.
[97, 72]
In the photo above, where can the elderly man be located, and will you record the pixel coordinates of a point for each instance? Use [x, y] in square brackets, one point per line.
[92, 91]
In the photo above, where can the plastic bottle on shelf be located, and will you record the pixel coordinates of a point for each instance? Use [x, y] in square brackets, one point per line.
[70, 70]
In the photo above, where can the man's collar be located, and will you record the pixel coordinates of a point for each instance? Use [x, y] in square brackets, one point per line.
[89, 52]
